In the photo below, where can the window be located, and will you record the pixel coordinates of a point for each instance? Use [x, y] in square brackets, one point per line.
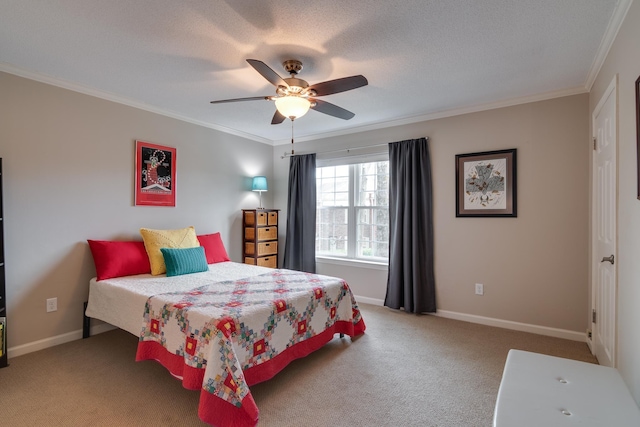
[352, 218]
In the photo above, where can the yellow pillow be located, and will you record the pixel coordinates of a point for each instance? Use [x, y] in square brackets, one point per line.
[156, 239]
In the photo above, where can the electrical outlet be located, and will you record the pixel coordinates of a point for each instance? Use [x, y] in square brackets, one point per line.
[52, 304]
[479, 289]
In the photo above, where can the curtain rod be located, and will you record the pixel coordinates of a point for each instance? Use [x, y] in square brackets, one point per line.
[288, 153]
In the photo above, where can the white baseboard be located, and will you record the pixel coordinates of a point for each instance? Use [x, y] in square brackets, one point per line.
[499, 323]
[372, 301]
[589, 340]
[489, 321]
[19, 350]
[516, 326]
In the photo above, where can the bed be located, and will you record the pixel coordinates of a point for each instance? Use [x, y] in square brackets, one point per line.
[222, 330]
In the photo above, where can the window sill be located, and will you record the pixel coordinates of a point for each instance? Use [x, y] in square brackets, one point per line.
[350, 262]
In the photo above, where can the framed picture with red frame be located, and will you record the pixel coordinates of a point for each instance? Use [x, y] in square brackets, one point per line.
[155, 175]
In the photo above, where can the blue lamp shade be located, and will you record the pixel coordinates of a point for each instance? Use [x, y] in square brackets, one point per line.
[259, 183]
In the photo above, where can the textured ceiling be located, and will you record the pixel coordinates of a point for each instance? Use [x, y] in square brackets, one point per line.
[421, 57]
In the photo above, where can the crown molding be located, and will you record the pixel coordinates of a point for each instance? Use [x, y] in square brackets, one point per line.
[8, 68]
[86, 90]
[619, 13]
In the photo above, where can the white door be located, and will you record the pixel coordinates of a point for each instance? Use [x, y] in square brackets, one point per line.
[604, 229]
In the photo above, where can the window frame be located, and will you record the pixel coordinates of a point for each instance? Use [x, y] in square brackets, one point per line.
[352, 213]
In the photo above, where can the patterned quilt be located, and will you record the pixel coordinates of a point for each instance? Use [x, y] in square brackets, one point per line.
[223, 337]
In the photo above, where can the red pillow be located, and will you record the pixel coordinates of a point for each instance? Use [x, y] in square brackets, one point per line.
[117, 259]
[213, 248]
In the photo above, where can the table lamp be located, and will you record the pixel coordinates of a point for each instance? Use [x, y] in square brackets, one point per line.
[259, 185]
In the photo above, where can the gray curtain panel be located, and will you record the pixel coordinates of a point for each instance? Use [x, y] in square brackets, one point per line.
[411, 282]
[300, 243]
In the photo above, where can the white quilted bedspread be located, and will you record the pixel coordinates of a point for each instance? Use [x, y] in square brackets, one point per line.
[121, 301]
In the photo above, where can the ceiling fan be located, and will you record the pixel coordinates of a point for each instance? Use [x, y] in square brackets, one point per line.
[294, 96]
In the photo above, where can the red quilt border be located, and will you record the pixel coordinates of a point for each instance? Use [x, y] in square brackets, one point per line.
[218, 412]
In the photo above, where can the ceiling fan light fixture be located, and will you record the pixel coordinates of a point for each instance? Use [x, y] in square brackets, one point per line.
[294, 97]
[293, 107]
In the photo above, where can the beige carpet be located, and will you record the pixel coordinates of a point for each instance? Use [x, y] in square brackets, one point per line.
[406, 370]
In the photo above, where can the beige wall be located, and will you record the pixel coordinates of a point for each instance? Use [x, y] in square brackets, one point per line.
[534, 267]
[68, 177]
[68, 161]
[624, 60]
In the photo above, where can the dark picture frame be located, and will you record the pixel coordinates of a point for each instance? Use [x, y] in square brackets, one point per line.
[638, 132]
[486, 184]
[155, 171]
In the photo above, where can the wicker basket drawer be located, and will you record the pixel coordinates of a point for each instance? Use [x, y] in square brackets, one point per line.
[269, 233]
[268, 261]
[262, 218]
[250, 248]
[249, 218]
[273, 218]
[249, 233]
[249, 260]
[267, 248]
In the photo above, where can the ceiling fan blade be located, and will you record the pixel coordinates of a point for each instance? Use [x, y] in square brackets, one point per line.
[252, 98]
[277, 118]
[339, 85]
[332, 110]
[266, 72]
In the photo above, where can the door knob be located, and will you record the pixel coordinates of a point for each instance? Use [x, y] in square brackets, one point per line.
[608, 258]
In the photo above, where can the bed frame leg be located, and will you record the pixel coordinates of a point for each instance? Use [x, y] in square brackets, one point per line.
[86, 323]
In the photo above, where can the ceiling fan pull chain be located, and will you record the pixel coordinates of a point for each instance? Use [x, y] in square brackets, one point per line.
[292, 137]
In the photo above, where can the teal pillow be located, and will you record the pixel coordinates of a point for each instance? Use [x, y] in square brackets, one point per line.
[184, 261]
